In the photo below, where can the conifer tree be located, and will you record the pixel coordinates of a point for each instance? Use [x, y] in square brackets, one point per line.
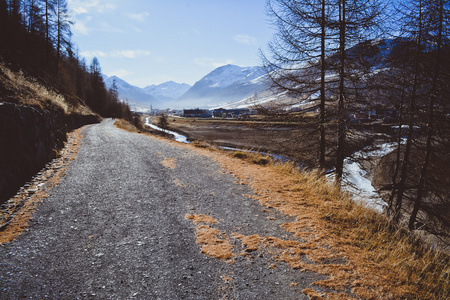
[62, 27]
[304, 61]
[297, 63]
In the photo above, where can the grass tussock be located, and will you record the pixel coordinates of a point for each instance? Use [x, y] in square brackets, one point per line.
[201, 144]
[125, 125]
[253, 157]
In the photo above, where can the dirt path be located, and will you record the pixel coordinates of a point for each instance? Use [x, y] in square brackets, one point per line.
[141, 218]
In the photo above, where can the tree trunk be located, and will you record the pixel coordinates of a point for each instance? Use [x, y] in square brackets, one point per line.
[340, 155]
[399, 146]
[322, 93]
[412, 104]
[430, 127]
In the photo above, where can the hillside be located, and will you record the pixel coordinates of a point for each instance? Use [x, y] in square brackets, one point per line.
[135, 96]
[34, 121]
[45, 89]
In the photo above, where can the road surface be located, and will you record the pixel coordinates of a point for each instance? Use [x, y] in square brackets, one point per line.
[115, 228]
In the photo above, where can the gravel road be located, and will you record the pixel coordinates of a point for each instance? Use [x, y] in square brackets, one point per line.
[115, 228]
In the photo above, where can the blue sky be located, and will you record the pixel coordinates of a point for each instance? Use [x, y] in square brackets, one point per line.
[152, 41]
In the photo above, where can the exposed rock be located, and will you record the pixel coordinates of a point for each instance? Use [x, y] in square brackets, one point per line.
[384, 170]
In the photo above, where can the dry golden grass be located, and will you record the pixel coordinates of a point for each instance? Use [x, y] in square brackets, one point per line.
[201, 144]
[213, 242]
[169, 163]
[20, 208]
[253, 157]
[201, 219]
[29, 92]
[357, 248]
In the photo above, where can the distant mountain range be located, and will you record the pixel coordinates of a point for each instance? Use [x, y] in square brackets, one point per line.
[157, 96]
[222, 86]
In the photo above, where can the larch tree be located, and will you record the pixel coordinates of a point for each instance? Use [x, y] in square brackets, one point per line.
[63, 25]
[418, 188]
[49, 10]
[310, 60]
[297, 63]
[436, 25]
[357, 21]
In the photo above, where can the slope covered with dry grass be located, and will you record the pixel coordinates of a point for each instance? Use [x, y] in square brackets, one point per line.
[18, 89]
[370, 257]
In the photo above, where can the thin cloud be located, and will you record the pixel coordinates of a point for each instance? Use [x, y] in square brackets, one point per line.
[139, 17]
[245, 39]
[92, 54]
[130, 53]
[106, 27]
[119, 73]
[80, 27]
[159, 59]
[85, 6]
[116, 53]
[211, 62]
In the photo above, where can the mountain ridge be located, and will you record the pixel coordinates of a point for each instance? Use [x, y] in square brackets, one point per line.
[150, 96]
[223, 85]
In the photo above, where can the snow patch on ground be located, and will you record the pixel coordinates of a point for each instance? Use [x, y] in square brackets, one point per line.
[355, 180]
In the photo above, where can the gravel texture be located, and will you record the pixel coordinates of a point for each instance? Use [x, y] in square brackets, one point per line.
[115, 228]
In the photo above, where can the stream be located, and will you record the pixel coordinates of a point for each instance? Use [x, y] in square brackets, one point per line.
[178, 137]
[355, 180]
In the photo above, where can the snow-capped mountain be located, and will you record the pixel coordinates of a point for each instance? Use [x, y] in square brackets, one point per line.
[157, 96]
[169, 90]
[370, 56]
[223, 85]
[133, 94]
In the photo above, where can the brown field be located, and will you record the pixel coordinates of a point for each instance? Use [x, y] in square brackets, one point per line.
[297, 141]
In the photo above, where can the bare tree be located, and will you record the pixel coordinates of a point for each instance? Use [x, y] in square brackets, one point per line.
[358, 21]
[298, 55]
[435, 28]
[310, 59]
[63, 24]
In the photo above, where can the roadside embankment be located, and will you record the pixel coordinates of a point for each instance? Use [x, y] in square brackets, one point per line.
[34, 122]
